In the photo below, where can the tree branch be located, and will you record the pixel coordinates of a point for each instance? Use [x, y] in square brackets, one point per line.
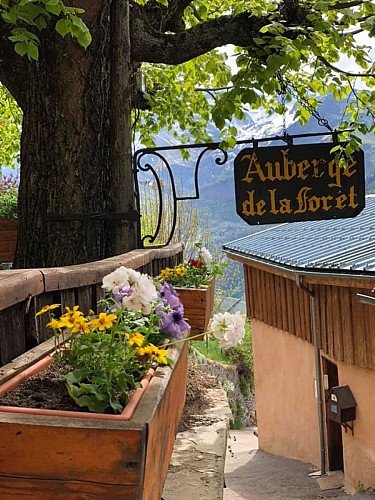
[150, 46]
[347, 73]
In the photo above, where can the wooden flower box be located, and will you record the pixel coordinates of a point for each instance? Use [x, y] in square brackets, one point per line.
[59, 457]
[8, 239]
[198, 305]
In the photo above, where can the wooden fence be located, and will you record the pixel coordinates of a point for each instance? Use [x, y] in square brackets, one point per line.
[24, 292]
[344, 326]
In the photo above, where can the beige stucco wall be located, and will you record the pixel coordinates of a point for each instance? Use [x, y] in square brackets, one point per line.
[286, 406]
[359, 450]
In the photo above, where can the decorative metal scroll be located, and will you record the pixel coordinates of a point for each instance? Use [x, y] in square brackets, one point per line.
[143, 162]
[151, 161]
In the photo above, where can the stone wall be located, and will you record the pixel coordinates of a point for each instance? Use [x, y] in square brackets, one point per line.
[227, 376]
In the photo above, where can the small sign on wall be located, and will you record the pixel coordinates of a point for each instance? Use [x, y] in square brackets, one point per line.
[297, 183]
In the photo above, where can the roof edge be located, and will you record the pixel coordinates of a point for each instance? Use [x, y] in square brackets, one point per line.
[290, 271]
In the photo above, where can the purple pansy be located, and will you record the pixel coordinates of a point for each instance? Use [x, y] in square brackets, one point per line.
[173, 323]
[169, 297]
[125, 291]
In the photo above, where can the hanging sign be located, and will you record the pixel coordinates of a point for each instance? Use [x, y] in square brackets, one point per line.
[297, 183]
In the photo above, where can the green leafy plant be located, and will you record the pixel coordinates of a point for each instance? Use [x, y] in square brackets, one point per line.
[8, 198]
[198, 270]
[242, 356]
[109, 353]
[106, 355]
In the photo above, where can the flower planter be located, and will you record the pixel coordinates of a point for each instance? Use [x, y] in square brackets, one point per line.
[8, 239]
[85, 456]
[198, 305]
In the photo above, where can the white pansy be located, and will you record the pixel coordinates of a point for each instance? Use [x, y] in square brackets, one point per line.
[116, 280]
[143, 293]
[146, 292]
[228, 329]
[205, 255]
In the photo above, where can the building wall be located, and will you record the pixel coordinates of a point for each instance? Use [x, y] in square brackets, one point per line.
[359, 450]
[286, 406]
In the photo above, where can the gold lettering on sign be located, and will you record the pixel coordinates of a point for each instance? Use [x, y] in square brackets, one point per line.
[302, 200]
[253, 162]
[249, 207]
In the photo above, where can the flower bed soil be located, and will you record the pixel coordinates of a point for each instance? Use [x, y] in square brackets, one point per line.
[43, 390]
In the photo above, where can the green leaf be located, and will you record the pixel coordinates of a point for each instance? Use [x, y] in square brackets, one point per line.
[84, 39]
[53, 9]
[32, 51]
[63, 26]
[21, 48]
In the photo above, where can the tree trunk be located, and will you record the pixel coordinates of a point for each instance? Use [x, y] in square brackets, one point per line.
[65, 200]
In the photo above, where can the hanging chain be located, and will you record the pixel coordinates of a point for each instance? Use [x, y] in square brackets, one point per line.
[287, 86]
[282, 93]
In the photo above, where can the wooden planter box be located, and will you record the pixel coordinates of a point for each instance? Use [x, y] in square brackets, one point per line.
[8, 239]
[48, 457]
[198, 305]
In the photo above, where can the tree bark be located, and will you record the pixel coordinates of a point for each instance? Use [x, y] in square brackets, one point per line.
[125, 233]
[65, 152]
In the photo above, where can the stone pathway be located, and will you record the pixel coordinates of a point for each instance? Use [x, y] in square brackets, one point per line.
[252, 474]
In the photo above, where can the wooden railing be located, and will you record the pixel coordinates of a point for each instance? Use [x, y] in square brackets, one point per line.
[23, 292]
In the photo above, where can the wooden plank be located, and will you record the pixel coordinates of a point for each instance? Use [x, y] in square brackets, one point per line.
[284, 308]
[68, 299]
[329, 319]
[93, 272]
[12, 333]
[38, 489]
[259, 295]
[26, 359]
[274, 304]
[8, 239]
[346, 325]
[71, 454]
[18, 285]
[253, 292]
[160, 444]
[360, 311]
[85, 299]
[369, 337]
[298, 311]
[321, 317]
[279, 301]
[249, 291]
[337, 314]
[39, 330]
[290, 306]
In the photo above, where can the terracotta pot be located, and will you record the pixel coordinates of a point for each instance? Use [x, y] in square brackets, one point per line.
[198, 305]
[59, 456]
[8, 239]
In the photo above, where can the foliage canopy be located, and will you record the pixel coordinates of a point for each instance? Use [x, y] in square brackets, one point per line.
[297, 48]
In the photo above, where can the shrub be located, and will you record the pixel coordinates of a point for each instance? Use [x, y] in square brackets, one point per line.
[242, 356]
[8, 198]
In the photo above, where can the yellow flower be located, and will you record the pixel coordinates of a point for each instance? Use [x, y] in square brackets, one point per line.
[147, 351]
[81, 325]
[154, 353]
[164, 273]
[161, 356]
[46, 309]
[67, 321]
[73, 312]
[136, 339]
[181, 271]
[103, 321]
[54, 323]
